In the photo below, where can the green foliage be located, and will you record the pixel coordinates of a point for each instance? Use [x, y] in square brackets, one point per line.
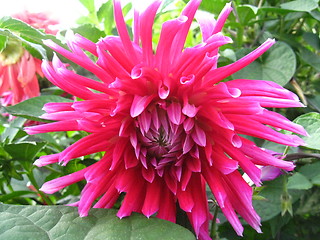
[300, 5]
[32, 108]
[277, 65]
[64, 223]
[311, 122]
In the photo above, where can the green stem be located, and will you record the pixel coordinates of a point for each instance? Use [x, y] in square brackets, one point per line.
[286, 150]
[260, 3]
[33, 181]
[53, 170]
[240, 33]
[214, 227]
[240, 30]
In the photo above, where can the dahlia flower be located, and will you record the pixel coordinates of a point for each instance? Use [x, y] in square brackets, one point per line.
[167, 123]
[18, 68]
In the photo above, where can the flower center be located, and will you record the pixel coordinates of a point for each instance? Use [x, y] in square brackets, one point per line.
[158, 137]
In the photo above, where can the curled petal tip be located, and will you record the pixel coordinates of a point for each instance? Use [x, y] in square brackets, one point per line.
[83, 214]
[44, 189]
[29, 131]
[37, 163]
[271, 41]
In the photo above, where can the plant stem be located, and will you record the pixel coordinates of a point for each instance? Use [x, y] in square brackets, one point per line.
[214, 228]
[53, 170]
[46, 200]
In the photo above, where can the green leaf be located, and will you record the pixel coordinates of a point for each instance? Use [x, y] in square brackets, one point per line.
[300, 5]
[32, 108]
[310, 204]
[64, 223]
[311, 171]
[212, 6]
[315, 14]
[316, 180]
[273, 10]
[311, 123]
[278, 64]
[246, 13]
[12, 130]
[24, 151]
[312, 39]
[3, 42]
[310, 58]
[105, 14]
[229, 54]
[90, 32]
[88, 4]
[15, 194]
[298, 181]
[294, 16]
[314, 102]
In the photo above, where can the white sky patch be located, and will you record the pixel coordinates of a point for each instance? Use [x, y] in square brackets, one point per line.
[65, 11]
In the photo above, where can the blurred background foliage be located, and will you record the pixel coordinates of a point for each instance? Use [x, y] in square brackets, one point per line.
[289, 206]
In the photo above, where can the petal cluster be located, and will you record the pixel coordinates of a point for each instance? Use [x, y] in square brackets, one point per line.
[166, 121]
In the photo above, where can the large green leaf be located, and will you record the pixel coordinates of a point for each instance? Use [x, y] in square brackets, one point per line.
[32, 108]
[311, 123]
[64, 223]
[300, 5]
[277, 65]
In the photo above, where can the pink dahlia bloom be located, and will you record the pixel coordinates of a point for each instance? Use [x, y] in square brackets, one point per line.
[167, 123]
[18, 68]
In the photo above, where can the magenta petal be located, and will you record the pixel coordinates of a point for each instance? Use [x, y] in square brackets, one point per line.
[48, 159]
[199, 136]
[174, 113]
[59, 183]
[139, 104]
[217, 75]
[185, 200]
[152, 200]
[70, 125]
